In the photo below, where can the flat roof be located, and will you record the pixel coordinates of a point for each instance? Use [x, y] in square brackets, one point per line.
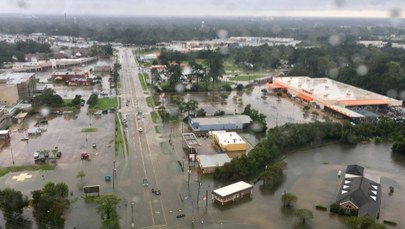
[213, 160]
[232, 188]
[226, 119]
[4, 132]
[15, 77]
[226, 138]
[334, 92]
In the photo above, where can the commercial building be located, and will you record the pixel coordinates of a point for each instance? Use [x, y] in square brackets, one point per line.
[228, 141]
[360, 192]
[232, 192]
[16, 86]
[333, 96]
[226, 122]
[209, 162]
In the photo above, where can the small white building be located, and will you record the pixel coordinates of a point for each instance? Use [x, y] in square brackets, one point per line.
[232, 192]
[208, 163]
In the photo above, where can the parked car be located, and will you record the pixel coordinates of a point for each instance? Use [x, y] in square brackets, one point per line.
[140, 130]
[145, 182]
[46, 153]
[59, 154]
[180, 215]
[94, 145]
[36, 155]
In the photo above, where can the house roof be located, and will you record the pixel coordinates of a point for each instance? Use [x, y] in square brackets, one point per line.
[355, 170]
[360, 191]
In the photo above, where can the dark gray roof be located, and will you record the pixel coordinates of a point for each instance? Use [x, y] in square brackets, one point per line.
[355, 170]
[361, 191]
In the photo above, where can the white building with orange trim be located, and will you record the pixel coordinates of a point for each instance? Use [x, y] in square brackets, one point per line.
[332, 95]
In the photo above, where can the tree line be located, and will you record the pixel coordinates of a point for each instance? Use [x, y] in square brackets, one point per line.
[280, 140]
[10, 52]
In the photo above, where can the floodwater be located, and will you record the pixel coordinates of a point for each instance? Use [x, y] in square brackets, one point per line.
[311, 175]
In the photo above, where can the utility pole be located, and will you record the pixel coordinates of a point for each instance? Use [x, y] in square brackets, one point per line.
[198, 195]
[132, 214]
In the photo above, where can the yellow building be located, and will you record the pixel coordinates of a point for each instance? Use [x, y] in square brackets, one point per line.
[228, 141]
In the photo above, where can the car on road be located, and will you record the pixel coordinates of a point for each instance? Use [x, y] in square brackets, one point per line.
[140, 130]
[94, 145]
[180, 215]
[145, 182]
[156, 192]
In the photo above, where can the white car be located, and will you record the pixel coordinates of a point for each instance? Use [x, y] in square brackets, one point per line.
[36, 155]
[140, 130]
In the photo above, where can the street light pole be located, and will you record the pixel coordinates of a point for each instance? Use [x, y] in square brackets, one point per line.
[114, 174]
[12, 155]
[132, 214]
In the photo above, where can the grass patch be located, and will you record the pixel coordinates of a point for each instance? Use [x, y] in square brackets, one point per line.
[89, 129]
[142, 80]
[3, 171]
[105, 103]
[155, 116]
[150, 102]
[42, 167]
[218, 85]
[229, 66]
[119, 138]
[247, 77]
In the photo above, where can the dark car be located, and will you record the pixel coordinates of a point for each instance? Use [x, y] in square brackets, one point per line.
[59, 154]
[105, 112]
[156, 192]
[180, 215]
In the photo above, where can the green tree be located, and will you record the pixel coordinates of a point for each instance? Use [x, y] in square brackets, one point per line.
[215, 65]
[48, 98]
[174, 74]
[362, 222]
[107, 208]
[304, 215]
[12, 203]
[189, 106]
[49, 205]
[288, 199]
[92, 100]
[80, 175]
[77, 100]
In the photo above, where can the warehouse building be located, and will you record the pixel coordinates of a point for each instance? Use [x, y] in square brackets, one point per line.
[344, 100]
[209, 162]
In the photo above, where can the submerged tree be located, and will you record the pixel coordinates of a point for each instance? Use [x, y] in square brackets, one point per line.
[49, 205]
[288, 199]
[107, 208]
[304, 215]
[12, 204]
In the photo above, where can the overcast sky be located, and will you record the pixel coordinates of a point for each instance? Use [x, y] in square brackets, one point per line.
[315, 8]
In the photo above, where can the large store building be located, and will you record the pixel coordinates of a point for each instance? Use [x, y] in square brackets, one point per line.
[330, 95]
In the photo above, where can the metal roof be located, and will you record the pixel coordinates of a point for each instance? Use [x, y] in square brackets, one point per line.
[232, 188]
[213, 160]
[226, 119]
